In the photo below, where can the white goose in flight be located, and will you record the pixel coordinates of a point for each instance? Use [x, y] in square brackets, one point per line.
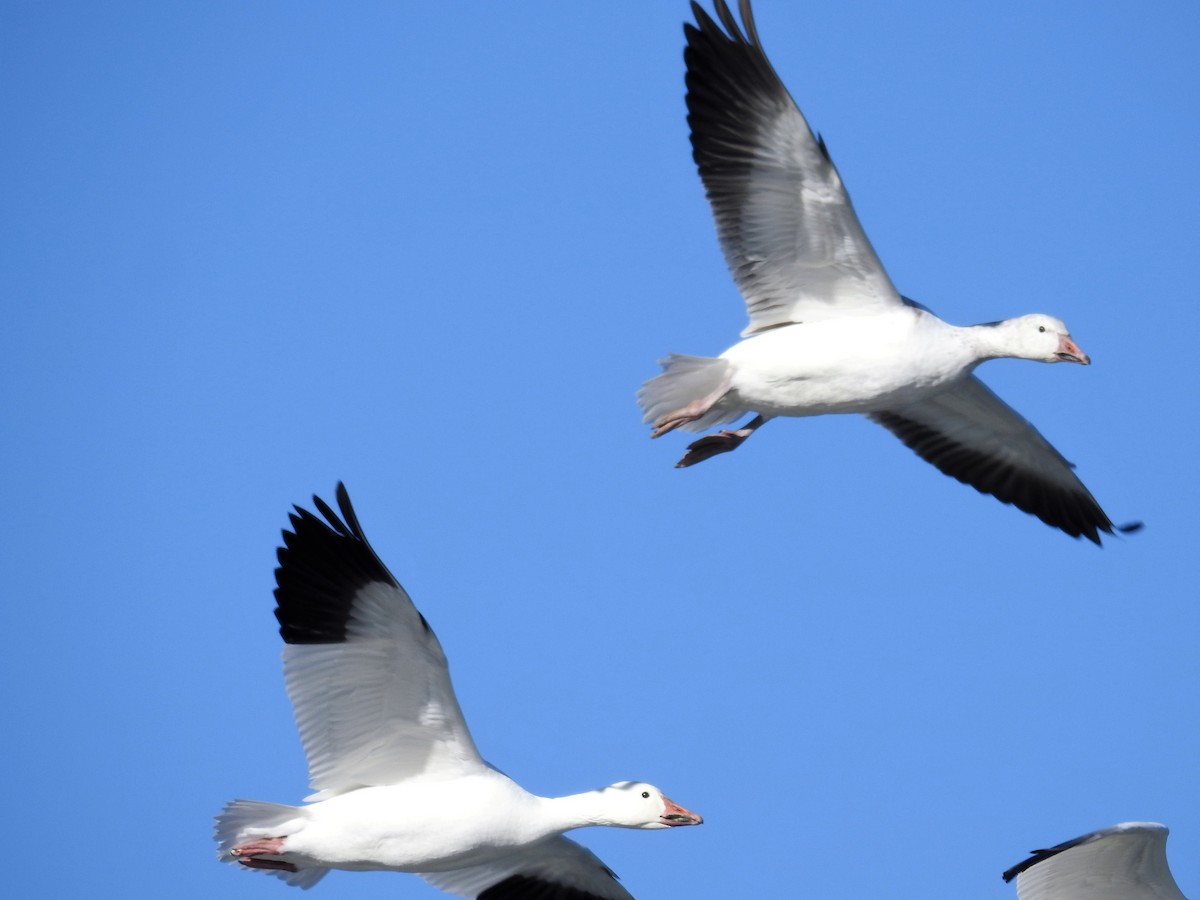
[828, 332]
[1125, 862]
[399, 784]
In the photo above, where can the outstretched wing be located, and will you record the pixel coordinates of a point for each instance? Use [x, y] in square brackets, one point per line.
[790, 235]
[972, 435]
[1125, 862]
[368, 680]
[553, 869]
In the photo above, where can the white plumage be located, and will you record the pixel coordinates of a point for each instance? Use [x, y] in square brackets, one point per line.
[1124, 862]
[398, 782]
[828, 332]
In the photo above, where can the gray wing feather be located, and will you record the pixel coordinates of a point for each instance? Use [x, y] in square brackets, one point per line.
[789, 233]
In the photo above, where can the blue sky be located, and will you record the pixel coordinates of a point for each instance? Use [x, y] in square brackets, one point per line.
[251, 249]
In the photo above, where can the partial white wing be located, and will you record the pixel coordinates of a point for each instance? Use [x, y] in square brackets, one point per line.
[1125, 862]
[972, 435]
[553, 869]
[788, 230]
[367, 677]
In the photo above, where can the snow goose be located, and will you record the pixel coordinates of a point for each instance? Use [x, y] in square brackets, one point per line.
[828, 332]
[1125, 862]
[399, 783]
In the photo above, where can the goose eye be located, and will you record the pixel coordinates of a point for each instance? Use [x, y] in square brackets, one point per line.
[645, 795]
[1041, 328]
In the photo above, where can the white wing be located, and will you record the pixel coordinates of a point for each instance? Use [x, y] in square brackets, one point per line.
[1125, 862]
[367, 677]
[972, 435]
[790, 235]
[554, 869]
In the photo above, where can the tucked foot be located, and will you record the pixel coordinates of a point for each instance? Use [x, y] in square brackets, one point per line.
[247, 854]
[690, 413]
[682, 416]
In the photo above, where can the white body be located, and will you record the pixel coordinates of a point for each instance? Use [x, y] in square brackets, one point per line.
[399, 782]
[857, 364]
[431, 835]
[828, 332]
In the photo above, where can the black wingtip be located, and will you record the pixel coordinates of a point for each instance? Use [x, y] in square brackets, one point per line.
[730, 22]
[348, 513]
[1040, 856]
[322, 566]
[329, 515]
[824, 147]
[729, 29]
[703, 23]
[1131, 527]
[1037, 856]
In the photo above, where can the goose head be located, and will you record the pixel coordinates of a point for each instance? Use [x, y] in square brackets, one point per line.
[633, 804]
[1042, 338]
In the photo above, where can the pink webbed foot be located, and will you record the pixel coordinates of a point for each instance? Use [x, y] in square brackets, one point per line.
[247, 854]
[721, 442]
[710, 445]
[255, 863]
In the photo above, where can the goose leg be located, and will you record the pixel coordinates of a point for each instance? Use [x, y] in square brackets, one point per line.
[271, 845]
[689, 413]
[247, 854]
[721, 442]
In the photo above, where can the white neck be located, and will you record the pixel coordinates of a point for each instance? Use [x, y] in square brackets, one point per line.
[575, 811]
[990, 341]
